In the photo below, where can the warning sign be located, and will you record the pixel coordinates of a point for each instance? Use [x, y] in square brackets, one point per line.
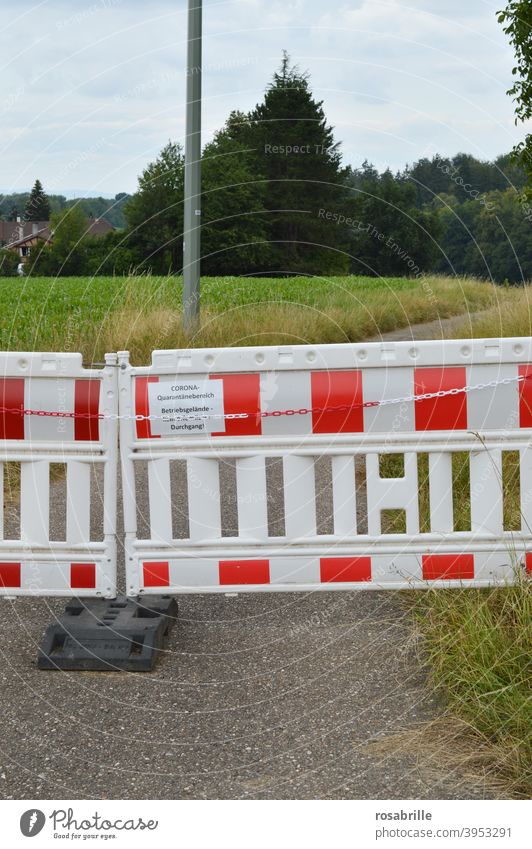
[186, 407]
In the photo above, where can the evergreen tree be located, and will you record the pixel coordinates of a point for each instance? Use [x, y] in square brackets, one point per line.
[390, 235]
[234, 232]
[38, 205]
[292, 148]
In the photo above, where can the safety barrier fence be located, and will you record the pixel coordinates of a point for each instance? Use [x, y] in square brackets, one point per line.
[262, 469]
[54, 412]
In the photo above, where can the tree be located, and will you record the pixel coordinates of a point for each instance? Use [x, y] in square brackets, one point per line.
[38, 206]
[430, 177]
[390, 235]
[292, 148]
[234, 231]
[67, 255]
[517, 24]
[155, 213]
[112, 255]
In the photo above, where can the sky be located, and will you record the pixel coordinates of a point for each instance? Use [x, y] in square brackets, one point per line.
[92, 90]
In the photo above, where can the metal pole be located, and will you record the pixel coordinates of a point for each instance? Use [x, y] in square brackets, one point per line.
[192, 213]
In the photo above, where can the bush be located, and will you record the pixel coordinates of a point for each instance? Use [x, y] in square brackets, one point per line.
[9, 261]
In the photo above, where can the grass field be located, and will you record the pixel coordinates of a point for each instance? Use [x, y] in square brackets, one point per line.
[477, 643]
[144, 313]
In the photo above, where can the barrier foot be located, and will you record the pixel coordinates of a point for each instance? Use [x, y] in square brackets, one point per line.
[107, 635]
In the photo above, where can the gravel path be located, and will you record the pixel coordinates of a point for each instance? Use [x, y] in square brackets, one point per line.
[265, 696]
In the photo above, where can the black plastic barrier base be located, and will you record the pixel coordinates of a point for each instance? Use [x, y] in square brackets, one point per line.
[109, 634]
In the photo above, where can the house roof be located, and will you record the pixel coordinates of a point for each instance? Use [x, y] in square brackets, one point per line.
[99, 227]
[13, 233]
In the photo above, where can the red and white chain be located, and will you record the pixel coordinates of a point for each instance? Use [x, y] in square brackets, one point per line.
[302, 411]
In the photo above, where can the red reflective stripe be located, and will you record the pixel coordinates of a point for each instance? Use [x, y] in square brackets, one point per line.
[448, 566]
[9, 575]
[334, 389]
[82, 576]
[528, 563]
[142, 406]
[244, 572]
[345, 569]
[156, 574]
[525, 397]
[87, 401]
[12, 397]
[241, 395]
[449, 413]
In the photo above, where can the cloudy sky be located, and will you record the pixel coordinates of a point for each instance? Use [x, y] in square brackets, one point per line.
[93, 89]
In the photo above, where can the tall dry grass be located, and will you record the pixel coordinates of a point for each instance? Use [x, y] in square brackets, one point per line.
[477, 647]
[350, 312]
[511, 315]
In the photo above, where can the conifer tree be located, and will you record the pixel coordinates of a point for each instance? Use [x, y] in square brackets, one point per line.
[38, 206]
[293, 150]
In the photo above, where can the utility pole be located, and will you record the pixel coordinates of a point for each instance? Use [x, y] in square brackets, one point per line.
[192, 213]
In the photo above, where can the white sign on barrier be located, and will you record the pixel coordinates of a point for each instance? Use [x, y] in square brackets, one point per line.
[186, 407]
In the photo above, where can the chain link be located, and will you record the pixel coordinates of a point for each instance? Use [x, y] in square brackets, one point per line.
[302, 411]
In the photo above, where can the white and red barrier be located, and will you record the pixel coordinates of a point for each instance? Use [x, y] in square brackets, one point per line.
[350, 404]
[54, 411]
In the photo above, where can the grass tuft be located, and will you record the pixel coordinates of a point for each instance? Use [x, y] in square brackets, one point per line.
[478, 650]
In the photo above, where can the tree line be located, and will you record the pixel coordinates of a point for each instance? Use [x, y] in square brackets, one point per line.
[40, 206]
[277, 199]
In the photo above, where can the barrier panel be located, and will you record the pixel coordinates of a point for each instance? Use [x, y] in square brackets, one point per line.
[265, 469]
[58, 422]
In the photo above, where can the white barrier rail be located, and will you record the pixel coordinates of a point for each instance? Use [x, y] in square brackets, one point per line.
[54, 411]
[264, 467]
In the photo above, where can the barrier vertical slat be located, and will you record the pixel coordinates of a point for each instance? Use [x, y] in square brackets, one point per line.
[160, 500]
[78, 502]
[1, 501]
[441, 492]
[411, 493]
[344, 495]
[109, 401]
[525, 482]
[486, 491]
[129, 499]
[203, 480]
[35, 502]
[299, 496]
[374, 506]
[252, 497]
